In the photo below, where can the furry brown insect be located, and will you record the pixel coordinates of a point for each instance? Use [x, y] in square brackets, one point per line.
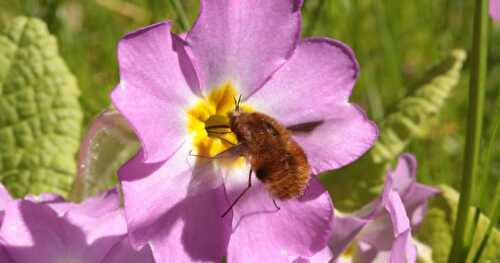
[275, 157]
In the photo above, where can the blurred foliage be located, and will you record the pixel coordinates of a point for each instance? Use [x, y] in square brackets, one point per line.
[40, 117]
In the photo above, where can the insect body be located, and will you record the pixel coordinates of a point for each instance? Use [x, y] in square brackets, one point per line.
[275, 157]
[278, 161]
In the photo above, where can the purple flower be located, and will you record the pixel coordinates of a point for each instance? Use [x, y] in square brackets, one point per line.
[495, 9]
[172, 89]
[382, 229]
[4, 199]
[46, 228]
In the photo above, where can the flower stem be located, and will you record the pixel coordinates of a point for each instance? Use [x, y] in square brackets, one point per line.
[458, 251]
[181, 14]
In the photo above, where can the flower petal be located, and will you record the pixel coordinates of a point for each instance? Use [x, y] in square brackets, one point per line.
[4, 199]
[324, 255]
[31, 232]
[403, 250]
[4, 257]
[35, 230]
[170, 218]
[364, 253]
[157, 82]
[314, 87]
[243, 41]
[415, 202]
[124, 253]
[413, 194]
[339, 140]
[102, 234]
[345, 229]
[495, 9]
[300, 228]
[405, 173]
[193, 230]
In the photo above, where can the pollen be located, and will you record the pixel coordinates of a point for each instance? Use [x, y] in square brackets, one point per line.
[208, 121]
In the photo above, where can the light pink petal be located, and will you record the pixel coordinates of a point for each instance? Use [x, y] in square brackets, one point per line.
[124, 253]
[97, 206]
[32, 232]
[339, 140]
[495, 9]
[156, 82]
[345, 229]
[243, 41]
[323, 256]
[193, 230]
[416, 202]
[403, 249]
[300, 228]
[365, 253]
[314, 87]
[405, 173]
[413, 194]
[4, 199]
[102, 234]
[180, 226]
[77, 232]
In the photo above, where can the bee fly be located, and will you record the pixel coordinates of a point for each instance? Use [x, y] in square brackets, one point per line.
[276, 158]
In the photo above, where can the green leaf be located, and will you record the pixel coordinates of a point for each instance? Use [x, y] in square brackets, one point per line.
[414, 114]
[437, 229]
[40, 116]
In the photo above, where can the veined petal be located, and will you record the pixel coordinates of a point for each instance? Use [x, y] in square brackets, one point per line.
[300, 228]
[179, 226]
[315, 85]
[243, 41]
[157, 84]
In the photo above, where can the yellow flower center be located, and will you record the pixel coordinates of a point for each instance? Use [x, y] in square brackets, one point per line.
[208, 121]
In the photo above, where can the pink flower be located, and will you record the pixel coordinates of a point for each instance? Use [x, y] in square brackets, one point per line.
[172, 89]
[47, 229]
[382, 230]
[495, 9]
[4, 199]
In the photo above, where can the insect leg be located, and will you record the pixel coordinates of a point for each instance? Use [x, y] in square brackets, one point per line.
[203, 156]
[276, 205]
[241, 194]
[224, 139]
